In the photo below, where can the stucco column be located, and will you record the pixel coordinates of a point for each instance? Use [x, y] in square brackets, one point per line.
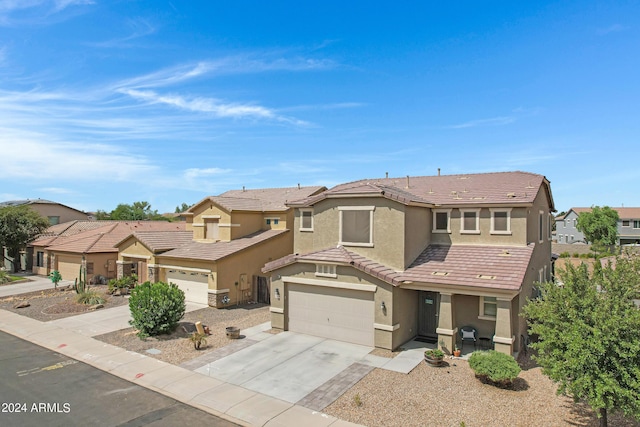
[446, 331]
[503, 338]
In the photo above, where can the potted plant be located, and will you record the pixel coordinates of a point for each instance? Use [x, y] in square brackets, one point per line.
[434, 356]
[456, 351]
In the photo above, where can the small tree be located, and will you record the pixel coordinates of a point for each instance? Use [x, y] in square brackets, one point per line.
[588, 335]
[600, 226]
[55, 277]
[18, 226]
[156, 308]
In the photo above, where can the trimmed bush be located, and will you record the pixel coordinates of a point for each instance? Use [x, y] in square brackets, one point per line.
[565, 254]
[494, 367]
[156, 308]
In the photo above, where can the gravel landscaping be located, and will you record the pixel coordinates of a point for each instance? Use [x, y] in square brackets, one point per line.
[175, 348]
[52, 304]
[451, 395]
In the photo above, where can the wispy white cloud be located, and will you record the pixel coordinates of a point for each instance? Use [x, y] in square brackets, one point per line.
[196, 173]
[57, 190]
[15, 12]
[317, 107]
[615, 28]
[139, 28]
[494, 121]
[213, 106]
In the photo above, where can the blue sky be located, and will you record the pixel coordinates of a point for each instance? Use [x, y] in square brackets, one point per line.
[107, 102]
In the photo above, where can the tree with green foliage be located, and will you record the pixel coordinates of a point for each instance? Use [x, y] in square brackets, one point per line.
[182, 208]
[55, 277]
[102, 215]
[138, 211]
[600, 226]
[588, 339]
[18, 226]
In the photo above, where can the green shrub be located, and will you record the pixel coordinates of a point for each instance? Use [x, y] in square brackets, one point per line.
[494, 367]
[156, 308]
[123, 282]
[584, 255]
[565, 254]
[4, 276]
[434, 353]
[576, 255]
[90, 298]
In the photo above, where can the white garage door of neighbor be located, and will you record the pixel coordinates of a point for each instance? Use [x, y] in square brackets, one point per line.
[339, 314]
[195, 286]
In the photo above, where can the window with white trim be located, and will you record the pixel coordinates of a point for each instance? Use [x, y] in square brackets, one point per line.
[488, 308]
[442, 221]
[500, 221]
[636, 224]
[326, 270]
[549, 226]
[356, 225]
[470, 221]
[540, 226]
[306, 219]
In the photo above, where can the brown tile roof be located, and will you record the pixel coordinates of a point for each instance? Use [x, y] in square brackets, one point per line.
[215, 251]
[493, 267]
[263, 199]
[446, 190]
[105, 237]
[158, 241]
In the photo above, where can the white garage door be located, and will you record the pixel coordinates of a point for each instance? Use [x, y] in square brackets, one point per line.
[339, 314]
[195, 286]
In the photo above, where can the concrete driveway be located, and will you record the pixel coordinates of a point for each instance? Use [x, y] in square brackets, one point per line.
[304, 369]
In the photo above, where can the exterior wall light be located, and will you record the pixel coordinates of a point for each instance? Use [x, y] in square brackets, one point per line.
[277, 293]
[383, 307]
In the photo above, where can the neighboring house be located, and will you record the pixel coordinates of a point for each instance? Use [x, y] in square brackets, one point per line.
[231, 237]
[379, 262]
[628, 226]
[67, 246]
[55, 212]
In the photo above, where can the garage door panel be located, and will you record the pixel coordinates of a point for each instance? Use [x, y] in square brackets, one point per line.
[195, 287]
[68, 269]
[340, 314]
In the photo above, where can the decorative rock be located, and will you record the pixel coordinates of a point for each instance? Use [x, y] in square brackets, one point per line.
[96, 306]
[116, 293]
[22, 304]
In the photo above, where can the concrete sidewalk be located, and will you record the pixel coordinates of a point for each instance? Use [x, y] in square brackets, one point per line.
[34, 284]
[229, 401]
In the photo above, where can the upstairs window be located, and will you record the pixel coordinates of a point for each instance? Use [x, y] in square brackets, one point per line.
[53, 220]
[441, 221]
[306, 219]
[470, 221]
[625, 223]
[541, 226]
[356, 225]
[636, 224]
[500, 221]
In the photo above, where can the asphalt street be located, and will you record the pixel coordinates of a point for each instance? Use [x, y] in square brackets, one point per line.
[39, 387]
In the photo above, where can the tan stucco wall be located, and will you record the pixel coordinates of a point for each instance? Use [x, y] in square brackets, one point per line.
[405, 314]
[388, 230]
[68, 264]
[417, 232]
[245, 223]
[466, 314]
[132, 246]
[66, 214]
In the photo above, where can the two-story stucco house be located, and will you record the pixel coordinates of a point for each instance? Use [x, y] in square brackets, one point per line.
[378, 262]
[228, 239]
[628, 226]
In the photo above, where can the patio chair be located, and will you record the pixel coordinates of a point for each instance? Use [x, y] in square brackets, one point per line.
[468, 334]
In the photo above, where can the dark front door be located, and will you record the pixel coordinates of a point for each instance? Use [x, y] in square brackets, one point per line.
[263, 290]
[429, 306]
